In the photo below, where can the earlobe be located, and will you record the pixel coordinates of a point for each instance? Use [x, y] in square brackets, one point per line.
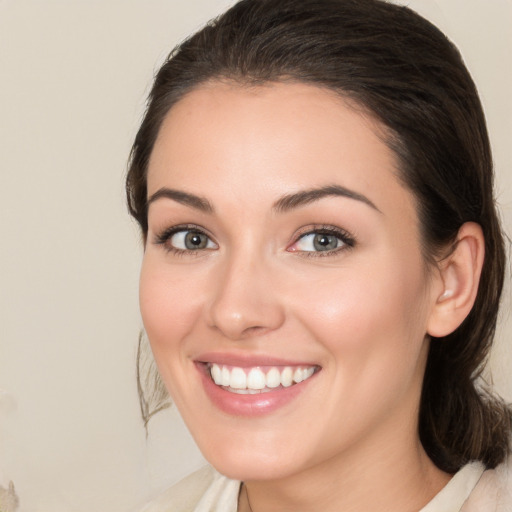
[459, 276]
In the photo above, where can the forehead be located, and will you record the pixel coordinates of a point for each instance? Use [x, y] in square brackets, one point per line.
[272, 138]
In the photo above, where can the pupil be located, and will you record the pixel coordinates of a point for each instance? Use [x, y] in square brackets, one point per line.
[324, 242]
[195, 241]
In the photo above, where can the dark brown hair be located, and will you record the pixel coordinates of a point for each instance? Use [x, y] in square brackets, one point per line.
[402, 69]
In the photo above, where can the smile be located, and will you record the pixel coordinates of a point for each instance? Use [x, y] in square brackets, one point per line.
[256, 380]
[255, 385]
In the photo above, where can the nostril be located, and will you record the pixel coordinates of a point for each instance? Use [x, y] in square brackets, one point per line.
[255, 330]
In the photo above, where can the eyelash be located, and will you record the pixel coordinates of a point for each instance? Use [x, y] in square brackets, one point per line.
[346, 239]
[164, 237]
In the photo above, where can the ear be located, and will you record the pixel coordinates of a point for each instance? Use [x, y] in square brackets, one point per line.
[459, 276]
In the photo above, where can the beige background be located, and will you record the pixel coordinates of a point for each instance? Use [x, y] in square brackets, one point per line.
[73, 78]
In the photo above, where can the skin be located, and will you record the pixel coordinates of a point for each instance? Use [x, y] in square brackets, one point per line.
[361, 312]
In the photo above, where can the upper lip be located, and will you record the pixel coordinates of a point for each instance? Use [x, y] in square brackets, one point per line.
[249, 360]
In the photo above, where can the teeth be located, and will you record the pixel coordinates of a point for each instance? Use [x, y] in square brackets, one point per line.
[238, 379]
[301, 374]
[216, 374]
[298, 375]
[225, 376]
[273, 378]
[255, 380]
[287, 377]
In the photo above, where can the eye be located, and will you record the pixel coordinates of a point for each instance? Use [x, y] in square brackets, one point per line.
[183, 239]
[190, 241]
[322, 240]
[318, 242]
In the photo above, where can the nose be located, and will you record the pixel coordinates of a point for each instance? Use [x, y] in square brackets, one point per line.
[245, 299]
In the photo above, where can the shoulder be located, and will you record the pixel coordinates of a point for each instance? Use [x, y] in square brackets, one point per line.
[493, 491]
[205, 490]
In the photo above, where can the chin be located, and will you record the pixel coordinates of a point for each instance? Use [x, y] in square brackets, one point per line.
[257, 460]
[252, 470]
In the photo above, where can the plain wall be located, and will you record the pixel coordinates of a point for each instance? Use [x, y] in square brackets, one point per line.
[73, 79]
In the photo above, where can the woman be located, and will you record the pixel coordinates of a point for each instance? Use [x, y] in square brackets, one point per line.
[313, 181]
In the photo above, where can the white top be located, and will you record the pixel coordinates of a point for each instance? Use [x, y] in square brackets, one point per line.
[472, 489]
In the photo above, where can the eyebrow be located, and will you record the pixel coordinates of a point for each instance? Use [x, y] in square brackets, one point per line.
[284, 204]
[304, 197]
[197, 202]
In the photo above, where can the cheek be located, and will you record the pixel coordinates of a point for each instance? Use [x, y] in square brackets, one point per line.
[371, 322]
[373, 338]
[169, 306]
[169, 302]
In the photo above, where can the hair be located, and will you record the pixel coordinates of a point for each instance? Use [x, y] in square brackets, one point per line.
[405, 72]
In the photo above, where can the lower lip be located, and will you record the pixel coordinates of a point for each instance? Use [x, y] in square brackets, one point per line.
[249, 405]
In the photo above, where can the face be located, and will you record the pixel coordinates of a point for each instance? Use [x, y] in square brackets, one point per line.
[283, 288]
